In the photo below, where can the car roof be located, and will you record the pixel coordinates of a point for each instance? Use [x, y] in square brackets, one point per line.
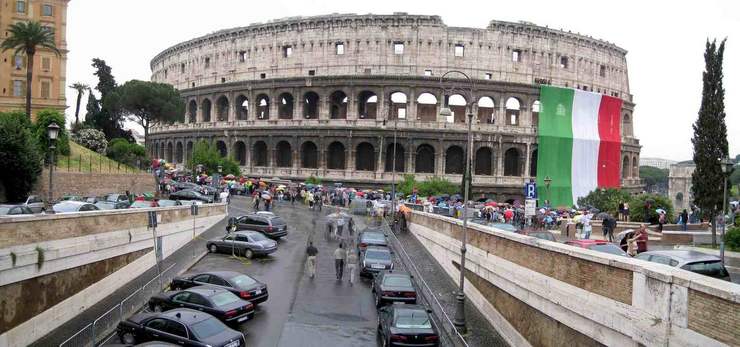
[407, 307]
[372, 232]
[395, 274]
[207, 291]
[224, 274]
[247, 232]
[684, 255]
[187, 315]
[376, 248]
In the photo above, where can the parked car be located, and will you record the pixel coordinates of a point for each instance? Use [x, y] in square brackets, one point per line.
[407, 325]
[72, 198]
[73, 206]
[374, 260]
[598, 245]
[121, 200]
[94, 199]
[15, 210]
[144, 204]
[240, 284]
[540, 234]
[371, 238]
[247, 243]
[181, 326]
[190, 202]
[35, 203]
[389, 287]
[701, 263]
[105, 205]
[168, 203]
[190, 194]
[270, 225]
[213, 300]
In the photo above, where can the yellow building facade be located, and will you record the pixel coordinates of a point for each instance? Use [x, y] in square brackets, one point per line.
[49, 71]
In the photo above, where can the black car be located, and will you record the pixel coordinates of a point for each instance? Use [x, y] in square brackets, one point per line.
[393, 287]
[168, 203]
[240, 284]
[190, 194]
[269, 224]
[15, 210]
[213, 300]
[374, 260]
[181, 326]
[407, 325]
[371, 238]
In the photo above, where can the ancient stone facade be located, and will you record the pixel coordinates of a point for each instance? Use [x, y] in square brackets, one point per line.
[679, 185]
[329, 96]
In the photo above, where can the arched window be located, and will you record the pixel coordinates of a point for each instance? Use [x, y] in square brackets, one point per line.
[335, 156]
[425, 159]
[285, 106]
[259, 154]
[511, 162]
[309, 155]
[169, 152]
[400, 163]
[263, 107]
[486, 114]
[513, 107]
[426, 107]
[178, 153]
[311, 105]
[242, 107]
[454, 159]
[221, 146]
[206, 109]
[365, 160]
[457, 104]
[338, 106]
[625, 167]
[192, 111]
[398, 105]
[635, 168]
[368, 105]
[188, 151]
[536, 113]
[483, 161]
[240, 153]
[626, 125]
[222, 108]
[283, 154]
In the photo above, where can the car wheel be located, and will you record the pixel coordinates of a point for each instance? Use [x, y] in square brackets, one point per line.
[157, 308]
[248, 253]
[128, 338]
[213, 248]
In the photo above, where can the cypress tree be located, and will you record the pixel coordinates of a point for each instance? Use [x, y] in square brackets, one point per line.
[710, 138]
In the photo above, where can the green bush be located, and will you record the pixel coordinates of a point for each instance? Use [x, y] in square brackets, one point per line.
[637, 208]
[606, 200]
[732, 238]
[436, 186]
[19, 156]
[43, 119]
[92, 139]
[313, 180]
[119, 149]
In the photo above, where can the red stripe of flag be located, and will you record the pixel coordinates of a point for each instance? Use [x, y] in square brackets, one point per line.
[610, 147]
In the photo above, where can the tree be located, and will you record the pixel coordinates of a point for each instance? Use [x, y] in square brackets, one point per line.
[98, 116]
[710, 137]
[643, 208]
[436, 186]
[606, 200]
[147, 103]
[43, 119]
[209, 156]
[655, 179]
[80, 88]
[121, 150]
[27, 37]
[19, 156]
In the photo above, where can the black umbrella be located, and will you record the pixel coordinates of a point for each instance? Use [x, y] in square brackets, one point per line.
[602, 215]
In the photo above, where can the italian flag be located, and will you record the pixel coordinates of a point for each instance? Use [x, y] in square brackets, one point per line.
[579, 144]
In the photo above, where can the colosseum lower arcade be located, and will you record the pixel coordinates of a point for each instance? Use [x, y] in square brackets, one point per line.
[326, 97]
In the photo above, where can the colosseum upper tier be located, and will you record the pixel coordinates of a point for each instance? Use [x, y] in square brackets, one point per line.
[354, 98]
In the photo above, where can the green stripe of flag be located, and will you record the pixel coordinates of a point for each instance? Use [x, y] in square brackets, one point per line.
[554, 151]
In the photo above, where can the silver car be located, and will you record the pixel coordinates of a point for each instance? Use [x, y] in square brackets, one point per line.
[701, 263]
[35, 204]
[248, 243]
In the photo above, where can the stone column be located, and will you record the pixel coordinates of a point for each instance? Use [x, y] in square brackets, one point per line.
[411, 110]
[352, 106]
[527, 161]
[324, 105]
[198, 110]
[500, 161]
[252, 111]
[231, 111]
[501, 117]
[382, 107]
[439, 159]
[274, 102]
[410, 157]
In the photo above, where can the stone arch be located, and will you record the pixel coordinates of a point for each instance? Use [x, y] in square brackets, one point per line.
[425, 159]
[285, 106]
[399, 102]
[162, 151]
[454, 160]
[242, 107]
[263, 106]
[536, 112]
[240, 152]
[221, 147]
[336, 156]
[338, 105]
[533, 164]
[188, 151]
[222, 108]
[206, 110]
[178, 153]
[484, 161]
[283, 154]
[625, 167]
[365, 157]
[627, 125]
[513, 109]
[169, 153]
[426, 107]
[309, 155]
[192, 111]
[259, 154]
[367, 105]
[512, 158]
[635, 168]
[458, 105]
[400, 163]
[486, 110]
[311, 107]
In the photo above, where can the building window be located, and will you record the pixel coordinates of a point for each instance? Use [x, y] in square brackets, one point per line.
[242, 56]
[46, 64]
[516, 55]
[602, 71]
[45, 89]
[287, 51]
[47, 10]
[427, 72]
[263, 75]
[223, 79]
[563, 62]
[312, 72]
[208, 62]
[48, 28]
[182, 68]
[368, 71]
[20, 6]
[487, 76]
[18, 88]
[340, 48]
[459, 50]
[165, 73]
[18, 62]
[398, 48]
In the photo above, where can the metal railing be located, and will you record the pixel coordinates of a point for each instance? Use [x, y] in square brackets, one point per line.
[106, 323]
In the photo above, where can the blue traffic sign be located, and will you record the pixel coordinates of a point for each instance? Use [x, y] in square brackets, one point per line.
[530, 190]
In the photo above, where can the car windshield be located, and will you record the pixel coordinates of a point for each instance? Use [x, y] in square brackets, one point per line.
[278, 221]
[141, 204]
[258, 237]
[397, 281]
[413, 319]
[377, 254]
[112, 197]
[4, 210]
[712, 268]
[224, 298]
[164, 203]
[207, 328]
[607, 248]
[243, 281]
[373, 237]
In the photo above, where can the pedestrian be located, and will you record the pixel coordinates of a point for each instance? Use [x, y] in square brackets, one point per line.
[311, 262]
[352, 260]
[642, 239]
[586, 221]
[309, 197]
[626, 211]
[256, 198]
[685, 220]
[661, 221]
[621, 211]
[339, 256]
[632, 244]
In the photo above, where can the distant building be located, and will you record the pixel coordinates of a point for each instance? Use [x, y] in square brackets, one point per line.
[660, 163]
[679, 185]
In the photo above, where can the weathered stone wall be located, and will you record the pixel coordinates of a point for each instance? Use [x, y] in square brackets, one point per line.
[93, 184]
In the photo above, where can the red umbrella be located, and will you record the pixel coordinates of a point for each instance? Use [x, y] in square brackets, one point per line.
[492, 203]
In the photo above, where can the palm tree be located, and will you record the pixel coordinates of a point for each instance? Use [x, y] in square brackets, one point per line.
[80, 88]
[27, 37]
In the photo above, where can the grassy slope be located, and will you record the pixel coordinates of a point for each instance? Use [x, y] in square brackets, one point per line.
[85, 160]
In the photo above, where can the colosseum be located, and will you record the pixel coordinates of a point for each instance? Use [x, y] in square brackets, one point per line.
[349, 98]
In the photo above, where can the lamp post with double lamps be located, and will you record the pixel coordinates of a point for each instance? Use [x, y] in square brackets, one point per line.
[548, 181]
[53, 132]
[726, 165]
[459, 320]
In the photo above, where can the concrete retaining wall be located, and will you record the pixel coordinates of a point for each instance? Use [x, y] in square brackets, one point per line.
[94, 184]
[538, 293]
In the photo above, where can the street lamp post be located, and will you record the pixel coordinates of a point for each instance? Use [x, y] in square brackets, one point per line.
[548, 181]
[53, 133]
[726, 165]
[459, 320]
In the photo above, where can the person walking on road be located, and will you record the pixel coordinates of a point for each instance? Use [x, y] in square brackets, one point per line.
[339, 256]
[352, 260]
[311, 262]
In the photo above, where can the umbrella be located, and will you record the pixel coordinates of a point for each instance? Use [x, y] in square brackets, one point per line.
[266, 196]
[660, 210]
[602, 215]
[282, 186]
[594, 210]
[230, 177]
[492, 204]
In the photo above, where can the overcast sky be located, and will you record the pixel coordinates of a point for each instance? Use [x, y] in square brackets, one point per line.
[665, 41]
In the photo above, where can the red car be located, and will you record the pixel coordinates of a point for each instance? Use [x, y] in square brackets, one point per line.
[597, 245]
